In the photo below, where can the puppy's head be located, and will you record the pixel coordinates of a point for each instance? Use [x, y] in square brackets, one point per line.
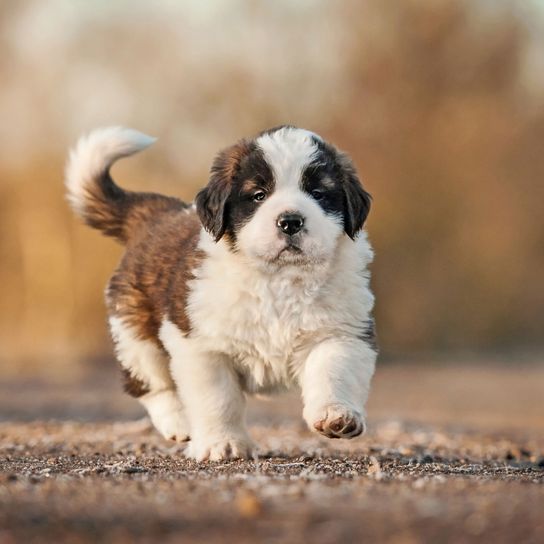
[285, 197]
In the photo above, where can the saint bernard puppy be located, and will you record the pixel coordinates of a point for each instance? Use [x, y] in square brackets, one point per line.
[260, 285]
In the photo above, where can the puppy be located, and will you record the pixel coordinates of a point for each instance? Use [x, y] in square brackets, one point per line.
[260, 285]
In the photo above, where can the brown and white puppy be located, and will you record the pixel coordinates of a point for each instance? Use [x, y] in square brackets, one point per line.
[260, 285]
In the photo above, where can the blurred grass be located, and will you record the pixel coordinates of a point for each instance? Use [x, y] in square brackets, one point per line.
[439, 103]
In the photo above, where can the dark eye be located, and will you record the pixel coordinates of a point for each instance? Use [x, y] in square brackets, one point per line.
[259, 195]
[317, 194]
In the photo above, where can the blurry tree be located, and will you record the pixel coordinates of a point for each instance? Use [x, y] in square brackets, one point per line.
[435, 100]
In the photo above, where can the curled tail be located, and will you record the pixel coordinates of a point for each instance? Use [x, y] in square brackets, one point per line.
[93, 194]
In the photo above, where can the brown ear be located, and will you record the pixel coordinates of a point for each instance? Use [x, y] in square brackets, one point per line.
[212, 201]
[356, 199]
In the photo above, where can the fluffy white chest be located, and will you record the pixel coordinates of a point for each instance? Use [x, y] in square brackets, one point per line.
[267, 323]
[260, 325]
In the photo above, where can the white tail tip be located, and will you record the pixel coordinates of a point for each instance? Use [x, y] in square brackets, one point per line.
[94, 154]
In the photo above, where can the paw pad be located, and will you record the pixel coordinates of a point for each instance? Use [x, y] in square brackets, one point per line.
[340, 423]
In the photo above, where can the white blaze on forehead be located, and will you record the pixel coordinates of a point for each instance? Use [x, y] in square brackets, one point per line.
[288, 151]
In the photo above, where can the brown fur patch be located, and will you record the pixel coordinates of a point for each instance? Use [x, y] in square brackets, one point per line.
[133, 386]
[117, 212]
[226, 203]
[212, 200]
[249, 185]
[227, 163]
[151, 281]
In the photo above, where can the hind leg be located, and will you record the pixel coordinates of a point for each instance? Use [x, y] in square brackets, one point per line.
[147, 377]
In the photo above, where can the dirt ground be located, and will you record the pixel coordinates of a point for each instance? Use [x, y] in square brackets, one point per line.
[453, 454]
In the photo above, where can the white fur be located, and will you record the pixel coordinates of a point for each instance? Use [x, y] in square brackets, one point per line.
[212, 395]
[94, 154]
[335, 379]
[146, 362]
[167, 415]
[259, 323]
[258, 239]
[259, 332]
[288, 151]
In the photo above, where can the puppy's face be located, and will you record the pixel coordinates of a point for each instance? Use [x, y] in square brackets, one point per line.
[283, 198]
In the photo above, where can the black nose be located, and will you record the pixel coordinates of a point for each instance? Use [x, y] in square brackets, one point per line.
[290, 223]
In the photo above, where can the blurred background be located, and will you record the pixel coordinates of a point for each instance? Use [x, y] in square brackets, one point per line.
[439, 102]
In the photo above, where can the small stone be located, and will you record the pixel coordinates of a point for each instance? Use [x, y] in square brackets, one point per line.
[249, 505]
[375, 469]
[134, 470]
[419, 483]
[305, 457]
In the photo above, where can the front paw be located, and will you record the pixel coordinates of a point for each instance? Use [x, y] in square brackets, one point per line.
[337, 421]
[221, 449]
[167, 415]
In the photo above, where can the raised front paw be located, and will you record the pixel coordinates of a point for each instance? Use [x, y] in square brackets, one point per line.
[221, 449]
[337, 421]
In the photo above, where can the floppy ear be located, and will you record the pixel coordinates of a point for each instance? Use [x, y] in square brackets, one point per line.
[356, 199]
[212, 201]
[211, 204]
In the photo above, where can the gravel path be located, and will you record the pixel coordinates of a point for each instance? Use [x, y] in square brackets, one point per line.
[405, 482]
